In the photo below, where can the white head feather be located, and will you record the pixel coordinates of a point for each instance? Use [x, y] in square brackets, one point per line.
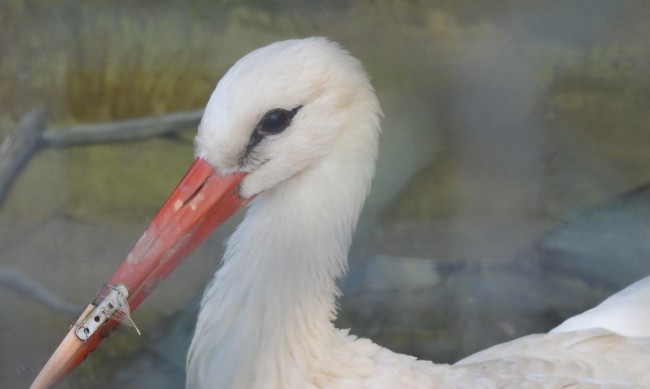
[319, 76]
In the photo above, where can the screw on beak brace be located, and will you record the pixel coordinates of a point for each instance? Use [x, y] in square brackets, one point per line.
[110, 304]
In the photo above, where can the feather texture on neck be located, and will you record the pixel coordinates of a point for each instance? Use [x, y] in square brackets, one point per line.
[277, 282]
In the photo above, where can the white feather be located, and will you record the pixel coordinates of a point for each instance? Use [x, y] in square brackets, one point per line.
[626, 313]
[266, 319]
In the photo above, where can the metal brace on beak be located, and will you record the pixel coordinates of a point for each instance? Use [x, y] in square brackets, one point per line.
[112, 306]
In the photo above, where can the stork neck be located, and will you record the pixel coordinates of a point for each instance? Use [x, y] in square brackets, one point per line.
[272, 302]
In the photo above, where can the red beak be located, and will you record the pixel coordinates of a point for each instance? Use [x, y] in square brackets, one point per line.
[201, 202]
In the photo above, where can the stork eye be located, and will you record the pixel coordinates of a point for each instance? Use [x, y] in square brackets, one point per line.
[276, 120]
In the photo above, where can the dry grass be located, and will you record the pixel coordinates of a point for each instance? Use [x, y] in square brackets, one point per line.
[91, 61]
[128, 67]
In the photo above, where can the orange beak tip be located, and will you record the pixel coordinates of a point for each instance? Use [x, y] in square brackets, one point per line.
[65, 358]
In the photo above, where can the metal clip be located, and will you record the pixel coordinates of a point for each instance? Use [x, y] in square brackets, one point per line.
[113, 306]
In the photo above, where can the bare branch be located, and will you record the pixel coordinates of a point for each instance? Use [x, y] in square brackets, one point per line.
[17, 281]
[18, 147]
[122, 131]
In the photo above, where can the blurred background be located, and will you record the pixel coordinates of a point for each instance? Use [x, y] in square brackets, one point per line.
[512, 188]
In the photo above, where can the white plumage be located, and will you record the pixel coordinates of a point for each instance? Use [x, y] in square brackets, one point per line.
[266, 319]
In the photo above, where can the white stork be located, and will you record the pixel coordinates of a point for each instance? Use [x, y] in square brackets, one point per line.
[292, 130]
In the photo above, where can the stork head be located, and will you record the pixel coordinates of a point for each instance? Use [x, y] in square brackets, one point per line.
[277, 113]
[282, 108]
